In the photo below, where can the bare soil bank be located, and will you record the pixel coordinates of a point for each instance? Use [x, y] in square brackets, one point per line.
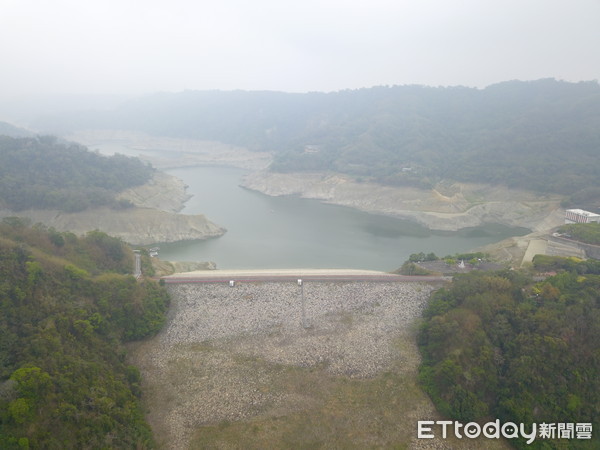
[450, 206]
[169, 153]
[164, 192]
[243, 367]
[138, 226]
[153, 219]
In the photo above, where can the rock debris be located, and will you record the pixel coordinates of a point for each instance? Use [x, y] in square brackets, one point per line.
[224, 347]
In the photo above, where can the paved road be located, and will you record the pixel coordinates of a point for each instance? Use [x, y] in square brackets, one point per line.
[293, 275]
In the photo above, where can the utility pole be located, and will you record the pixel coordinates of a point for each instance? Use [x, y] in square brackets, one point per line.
[304, 322]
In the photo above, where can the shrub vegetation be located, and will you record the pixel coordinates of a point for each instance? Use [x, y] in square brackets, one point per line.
[67, 305]
[496, 345]
[41, 172]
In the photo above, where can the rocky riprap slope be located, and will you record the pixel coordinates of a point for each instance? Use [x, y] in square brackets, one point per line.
[348, 325]
[224, 349]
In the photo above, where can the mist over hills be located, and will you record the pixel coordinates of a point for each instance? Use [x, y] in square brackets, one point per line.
[68, 304]
[6, 129]
[542, 135]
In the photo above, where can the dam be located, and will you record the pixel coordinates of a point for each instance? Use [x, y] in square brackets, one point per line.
[248, 352]
[283, 275]
[303, 305]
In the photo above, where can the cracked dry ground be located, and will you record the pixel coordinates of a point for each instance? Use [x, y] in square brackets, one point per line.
[249, 367]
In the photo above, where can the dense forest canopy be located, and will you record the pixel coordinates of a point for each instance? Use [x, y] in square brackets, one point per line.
[67, 304]
[498, 345]
[542, 135]
[41, 172]
[584, 232]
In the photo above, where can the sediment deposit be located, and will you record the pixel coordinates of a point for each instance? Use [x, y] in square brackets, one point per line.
[153, 219]
[138, 226]
[164, 192]
[448, 207]
[168, 152]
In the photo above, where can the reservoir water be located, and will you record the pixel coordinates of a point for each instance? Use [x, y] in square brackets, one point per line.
[289, 232]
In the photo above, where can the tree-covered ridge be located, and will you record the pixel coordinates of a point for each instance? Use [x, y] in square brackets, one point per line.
[41, 172]
[542, 135]
[496, 345]
[67, 304]
[584, 232]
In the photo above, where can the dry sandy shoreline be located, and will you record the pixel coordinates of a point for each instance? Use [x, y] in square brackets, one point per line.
[169, 153]
[448, 206]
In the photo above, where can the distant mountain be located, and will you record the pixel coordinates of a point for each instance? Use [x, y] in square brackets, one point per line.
[542, 135]
[6, 129]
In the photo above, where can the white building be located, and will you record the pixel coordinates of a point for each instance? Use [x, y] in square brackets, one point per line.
[581, 216]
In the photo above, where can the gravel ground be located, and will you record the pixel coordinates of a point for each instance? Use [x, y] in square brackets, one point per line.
[192, 368]
[346, 326]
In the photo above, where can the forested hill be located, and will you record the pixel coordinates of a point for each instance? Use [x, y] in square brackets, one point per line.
[41, 172]
[67, 304]
[10, 130]
[542, 135]
[499, 345]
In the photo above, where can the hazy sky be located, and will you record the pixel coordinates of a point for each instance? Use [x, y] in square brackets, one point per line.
[126, 46]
